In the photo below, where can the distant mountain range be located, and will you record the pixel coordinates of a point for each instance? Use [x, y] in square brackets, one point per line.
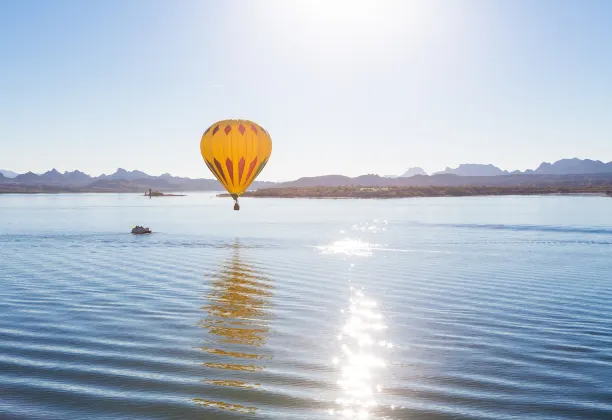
[414, 171]
[473, 169]
[120, 181]
[560, 167]
[8, 174]
[569, 172]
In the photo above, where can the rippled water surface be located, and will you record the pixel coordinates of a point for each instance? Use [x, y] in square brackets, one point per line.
[442, 308]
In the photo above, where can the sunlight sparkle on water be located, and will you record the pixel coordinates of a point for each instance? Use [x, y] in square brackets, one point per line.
[359, 362]
[370, 228]
[349, 247]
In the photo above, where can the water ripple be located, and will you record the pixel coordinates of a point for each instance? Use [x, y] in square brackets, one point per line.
[414, 309]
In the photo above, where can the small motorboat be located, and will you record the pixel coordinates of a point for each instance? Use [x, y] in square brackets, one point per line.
[139, 230]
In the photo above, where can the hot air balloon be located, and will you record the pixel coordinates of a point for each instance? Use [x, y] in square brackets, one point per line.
[236, 151]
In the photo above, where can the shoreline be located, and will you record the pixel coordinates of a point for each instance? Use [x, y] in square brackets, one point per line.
[346, 193]
[68, 191]
[387, 193]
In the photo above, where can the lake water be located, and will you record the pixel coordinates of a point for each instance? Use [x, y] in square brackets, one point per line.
[433, 308]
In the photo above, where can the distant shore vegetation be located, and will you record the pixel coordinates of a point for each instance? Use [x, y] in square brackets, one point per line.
[407, 192]
[355, 192]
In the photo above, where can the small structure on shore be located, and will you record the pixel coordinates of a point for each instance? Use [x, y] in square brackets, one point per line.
[153, 193]
[161, 194]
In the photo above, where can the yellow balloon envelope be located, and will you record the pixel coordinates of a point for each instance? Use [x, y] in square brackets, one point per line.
[236, 151]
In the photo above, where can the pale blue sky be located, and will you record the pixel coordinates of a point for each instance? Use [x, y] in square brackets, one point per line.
[343, 87]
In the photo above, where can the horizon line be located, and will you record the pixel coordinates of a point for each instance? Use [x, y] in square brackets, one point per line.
[440, 172]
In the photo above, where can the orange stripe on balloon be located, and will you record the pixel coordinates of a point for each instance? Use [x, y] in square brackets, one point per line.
[261, 166]
[220, 168]
[213, 170]
[240, 169]
[230, 168]
[210, 167]
[251, 167]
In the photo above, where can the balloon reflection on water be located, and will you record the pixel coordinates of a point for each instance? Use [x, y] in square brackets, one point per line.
[238, 310]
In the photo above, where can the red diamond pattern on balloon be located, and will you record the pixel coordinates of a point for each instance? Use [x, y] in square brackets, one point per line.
[254, 129]
[241, 129]
[228, 128]
[215, 130]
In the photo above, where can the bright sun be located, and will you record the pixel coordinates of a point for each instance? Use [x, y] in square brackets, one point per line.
[340, 10]
[349, 14]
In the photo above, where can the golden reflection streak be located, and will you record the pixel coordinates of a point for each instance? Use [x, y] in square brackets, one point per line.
[235, 384]
[237, 316]
[224, 406]
[360, 359]
[231, 366]
[233, 354]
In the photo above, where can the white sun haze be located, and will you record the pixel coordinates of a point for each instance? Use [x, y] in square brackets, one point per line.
[331, 24]
[327, 74]
[347, 59]
[351, 21]
[344, 87]
[336, 12]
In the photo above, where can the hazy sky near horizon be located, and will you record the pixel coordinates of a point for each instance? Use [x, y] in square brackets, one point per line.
[343, 87]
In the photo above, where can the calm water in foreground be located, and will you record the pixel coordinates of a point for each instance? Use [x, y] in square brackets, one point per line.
[441, 308]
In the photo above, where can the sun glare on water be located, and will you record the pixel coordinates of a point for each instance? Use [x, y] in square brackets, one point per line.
[357, 247]
[349, 247]
[360, 358]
